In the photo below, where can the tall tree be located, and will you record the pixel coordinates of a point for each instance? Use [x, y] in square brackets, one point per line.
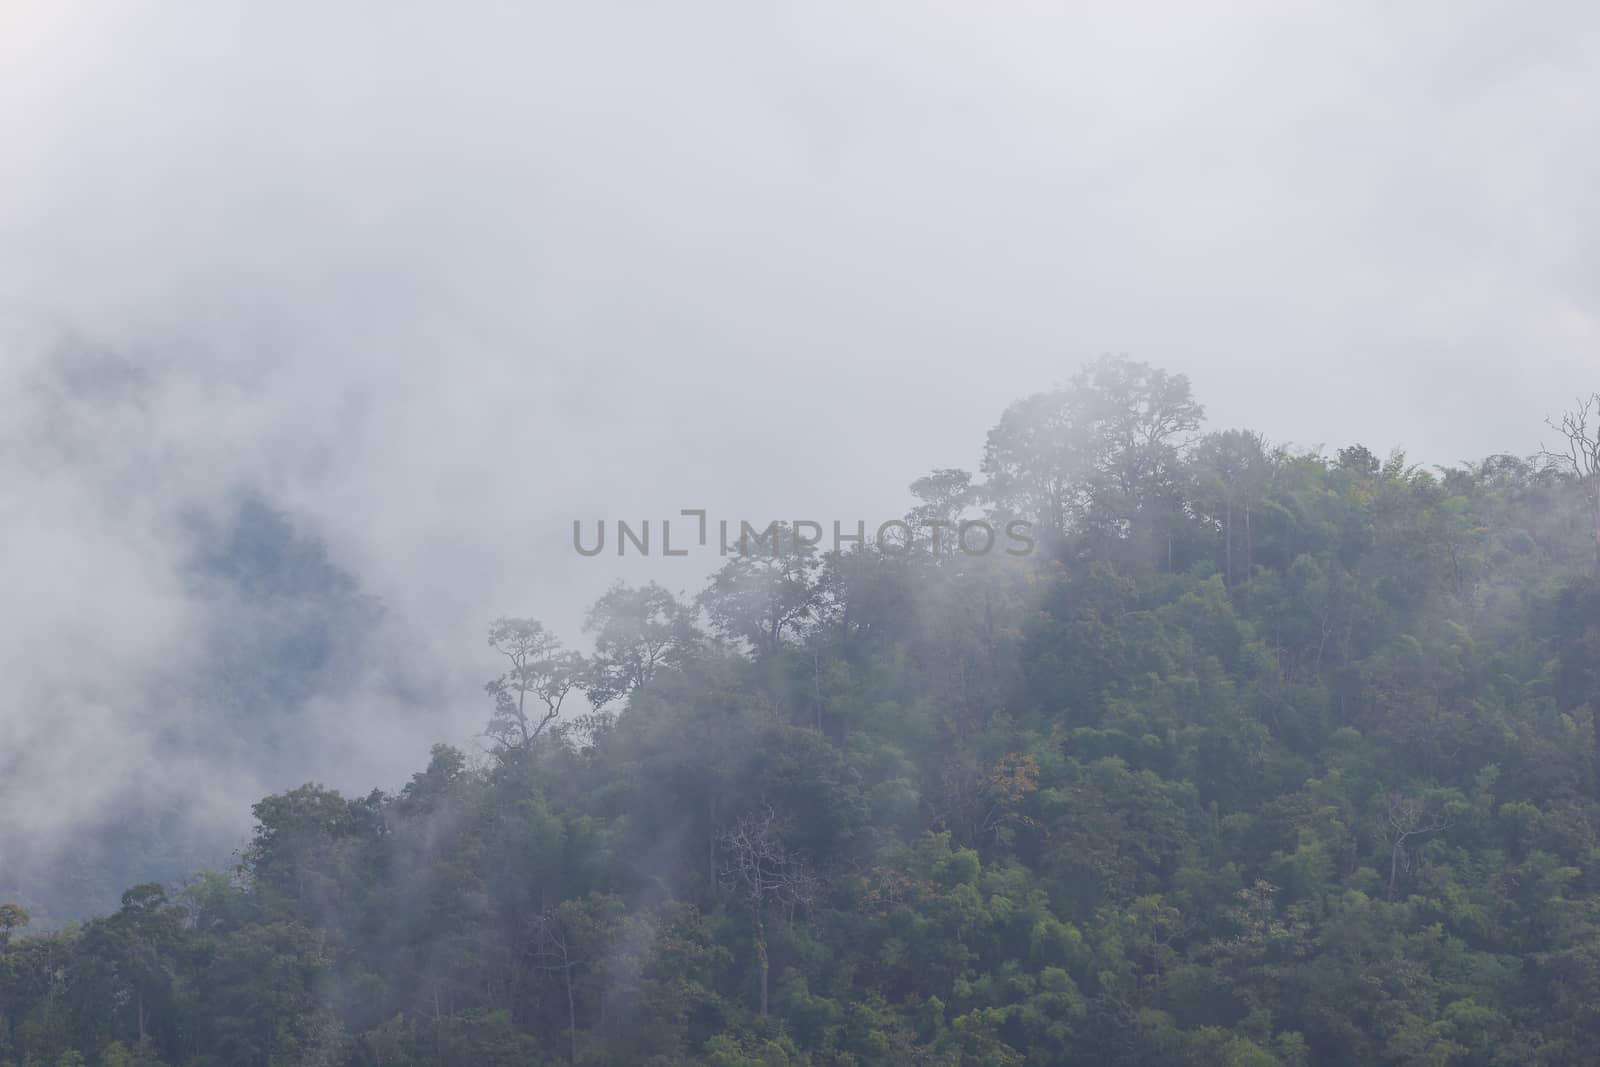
[541, 669]
[1232, 467]
[762, 873]
[1578, 457]
[767, 592]
[1095, 453]
[944, 499]
[636, 631]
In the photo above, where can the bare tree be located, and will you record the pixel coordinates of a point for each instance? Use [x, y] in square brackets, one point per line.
[552, 951]
[1406, 818]
[1579, 456]
[540, 668]
[761, 871]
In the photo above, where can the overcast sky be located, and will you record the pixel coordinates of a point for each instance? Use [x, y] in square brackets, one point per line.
[442, 278]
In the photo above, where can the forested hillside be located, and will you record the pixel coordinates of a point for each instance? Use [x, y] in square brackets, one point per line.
[279, 633]
[1262, 756]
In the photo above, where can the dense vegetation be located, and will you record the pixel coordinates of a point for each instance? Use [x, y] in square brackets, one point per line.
[1261, 757]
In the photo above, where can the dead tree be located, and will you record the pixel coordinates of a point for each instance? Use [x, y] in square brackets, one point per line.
[553, 952]
[1579, 456]
[761, 872]
[1405, 819]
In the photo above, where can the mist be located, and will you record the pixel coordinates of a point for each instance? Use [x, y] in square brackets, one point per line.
[401, 295]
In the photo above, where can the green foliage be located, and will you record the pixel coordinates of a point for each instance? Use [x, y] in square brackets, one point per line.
[1263, 759]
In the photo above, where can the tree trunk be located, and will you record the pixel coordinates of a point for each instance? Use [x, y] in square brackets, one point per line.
[1595, 498]
[1227, 544]
[761, 954]
[1249, 546]
[572, 1012]
[816, 682]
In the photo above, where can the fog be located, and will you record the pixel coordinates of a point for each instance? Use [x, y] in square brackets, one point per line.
[431, 287]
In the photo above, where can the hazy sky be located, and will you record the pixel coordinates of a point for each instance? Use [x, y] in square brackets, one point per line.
[442, 278]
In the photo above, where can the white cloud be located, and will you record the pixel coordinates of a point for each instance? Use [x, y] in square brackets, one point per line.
[442, 280]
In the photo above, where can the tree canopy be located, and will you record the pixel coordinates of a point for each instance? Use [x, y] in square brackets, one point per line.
[1264, 757]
